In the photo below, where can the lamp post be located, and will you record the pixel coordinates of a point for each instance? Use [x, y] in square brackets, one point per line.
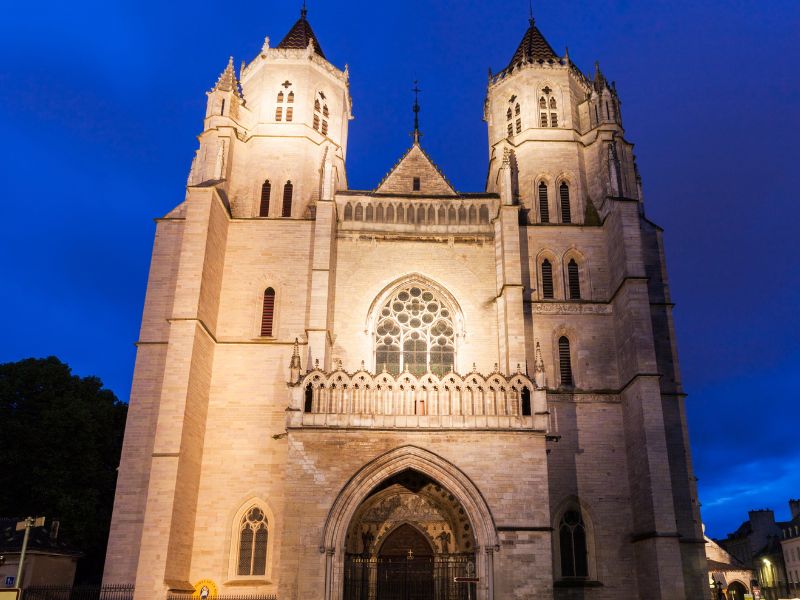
[26, 525]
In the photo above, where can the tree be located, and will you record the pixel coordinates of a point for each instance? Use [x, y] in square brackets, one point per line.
[60, 443]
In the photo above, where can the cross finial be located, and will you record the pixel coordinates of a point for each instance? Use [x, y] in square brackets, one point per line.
[304, 10]
[530, 12]
[416, 91]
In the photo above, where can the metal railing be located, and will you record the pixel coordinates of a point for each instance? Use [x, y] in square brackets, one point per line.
[81, 592]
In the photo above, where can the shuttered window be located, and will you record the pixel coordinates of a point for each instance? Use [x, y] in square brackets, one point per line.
[278, 113]
[544, 209]
[574, 280]
[287, 200]
[547, 279]
[266, 188]
[565, 362]
[324, 127]
[566, 213]
[268, 312]
[289, 113]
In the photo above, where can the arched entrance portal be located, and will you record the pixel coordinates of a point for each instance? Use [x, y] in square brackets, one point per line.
[736, 591]
[408, 540]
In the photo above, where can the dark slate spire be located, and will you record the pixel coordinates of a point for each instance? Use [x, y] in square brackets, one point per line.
[301, 34]
[533, 47]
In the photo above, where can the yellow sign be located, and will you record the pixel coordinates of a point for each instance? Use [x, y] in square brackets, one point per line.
[205, 588]
[9, 594]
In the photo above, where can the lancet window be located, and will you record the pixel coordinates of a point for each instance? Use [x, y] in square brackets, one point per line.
[415, 333]
[572, 544]
[565, 362]
[281, 110]
[266, 189]
[286, 209]
[574, 280]
[321, 113]
[253, 537]
[566, 212]
[544, 208]
[267, 312]
[548, 108]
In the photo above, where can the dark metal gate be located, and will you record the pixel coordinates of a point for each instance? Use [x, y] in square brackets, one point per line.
[401, 578]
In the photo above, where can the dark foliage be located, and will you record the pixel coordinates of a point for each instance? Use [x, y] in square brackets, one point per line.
[61, 440]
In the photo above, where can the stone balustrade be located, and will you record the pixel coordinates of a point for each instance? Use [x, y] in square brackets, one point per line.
[363, 399]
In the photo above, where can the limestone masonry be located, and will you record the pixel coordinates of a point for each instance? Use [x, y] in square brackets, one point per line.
[367, 394]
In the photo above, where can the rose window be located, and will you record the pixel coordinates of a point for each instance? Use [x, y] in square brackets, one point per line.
[415, 333]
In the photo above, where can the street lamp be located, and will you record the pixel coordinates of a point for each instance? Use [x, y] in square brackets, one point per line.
[27, 524]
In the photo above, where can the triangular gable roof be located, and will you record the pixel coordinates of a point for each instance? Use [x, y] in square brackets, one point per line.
[416, 163]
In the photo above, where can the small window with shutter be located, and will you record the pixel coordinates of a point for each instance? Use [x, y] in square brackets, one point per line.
[565, 362]
[415, 185]
[574, 280]
[266, 189]
[544, 208]
[547, 279]
[286, 209]
[566, 213]
[268, 312]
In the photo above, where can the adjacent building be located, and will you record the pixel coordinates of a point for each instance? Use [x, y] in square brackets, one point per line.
[366, 393]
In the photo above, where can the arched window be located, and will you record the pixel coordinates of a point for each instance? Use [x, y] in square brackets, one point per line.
[280, 96]
[308, 403]
[368, 215]
[519, 125]
[253, 536]
[542, 102]
[415, 333]
[325, 112]
[526, 402]
[348, 212]
[316, 104]
[421, 215]
[316, 122]
[516, 109]
[379, 213]
[565, 362]
[266, 188]
[573, 280]
[572, 544]
[553, 120]
[566, 213]
[291, 97]
[401, 215]
[287, 200]
[289, 113]
[324, 127]
[552, 103]
[509, 113]
[359, 212]
[451, 216]
[544, 209]
[510, 130]
[473, 215]
[268, 312]
[484, 214]
[390, 214]
[547, 279]
[462, 216]
[442, 217]
[278, 114]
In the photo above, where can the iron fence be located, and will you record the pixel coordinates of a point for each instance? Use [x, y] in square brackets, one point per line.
[188, 595]
[81, 592]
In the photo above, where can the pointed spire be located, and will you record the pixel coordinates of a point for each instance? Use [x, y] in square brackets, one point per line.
[227, 81]
[416, 91]
[294, 364]
[533, 47]
[539, 377]
[301, 35]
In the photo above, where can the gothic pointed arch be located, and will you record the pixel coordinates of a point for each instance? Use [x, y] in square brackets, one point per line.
[251, 541]
[385, 466]
[574, 548]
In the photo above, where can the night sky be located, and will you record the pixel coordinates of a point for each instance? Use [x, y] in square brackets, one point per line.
[100, 103]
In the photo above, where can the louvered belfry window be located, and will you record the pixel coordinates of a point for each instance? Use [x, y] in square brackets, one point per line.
[566, 213]
[547, 279]
[565, 362]
[286, 210]
[266, 189]
[544, 210]
[574, 280]
[268, 312]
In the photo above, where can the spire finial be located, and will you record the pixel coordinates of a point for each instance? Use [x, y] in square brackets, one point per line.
[304, 10]
[416, 91]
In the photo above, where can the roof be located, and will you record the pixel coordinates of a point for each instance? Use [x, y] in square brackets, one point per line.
[300, 35]
[532, 48]
[715, 565]
[42, 539]
[416, 163]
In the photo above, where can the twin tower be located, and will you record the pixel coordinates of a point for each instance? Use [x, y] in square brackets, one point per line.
[408, 391]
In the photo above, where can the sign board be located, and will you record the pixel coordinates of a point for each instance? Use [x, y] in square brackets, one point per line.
[748, 597]
[12, 594]
[466, 579]
[9, 580]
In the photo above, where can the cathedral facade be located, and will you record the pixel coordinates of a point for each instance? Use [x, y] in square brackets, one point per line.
[410, 391]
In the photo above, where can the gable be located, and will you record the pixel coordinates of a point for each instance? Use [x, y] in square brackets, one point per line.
[415, 163]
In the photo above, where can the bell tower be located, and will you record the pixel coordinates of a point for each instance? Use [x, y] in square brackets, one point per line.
[269, 133]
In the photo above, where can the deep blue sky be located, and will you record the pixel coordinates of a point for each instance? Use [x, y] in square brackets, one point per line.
[100, 103]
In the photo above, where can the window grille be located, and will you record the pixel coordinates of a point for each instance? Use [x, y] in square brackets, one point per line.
[325, 110]
[516, 109]
[553, 120]
[415, 184]
[415, 333]
[572, 543]
[574, 280]
[279, 114]
[253, 535]
[547, 279]
[565, 362]
[324, 127]
[510, 130]
[544, 119]
[544, 209]
[566, 213]
[266, 188]
[267, 312]
[316, 122]
[289, 113]
[287, 200]
[519, 125]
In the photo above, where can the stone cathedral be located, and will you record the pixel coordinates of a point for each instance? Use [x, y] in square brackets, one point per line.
[409, 392]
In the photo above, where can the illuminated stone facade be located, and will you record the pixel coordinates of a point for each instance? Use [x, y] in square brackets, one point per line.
[330, 382]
